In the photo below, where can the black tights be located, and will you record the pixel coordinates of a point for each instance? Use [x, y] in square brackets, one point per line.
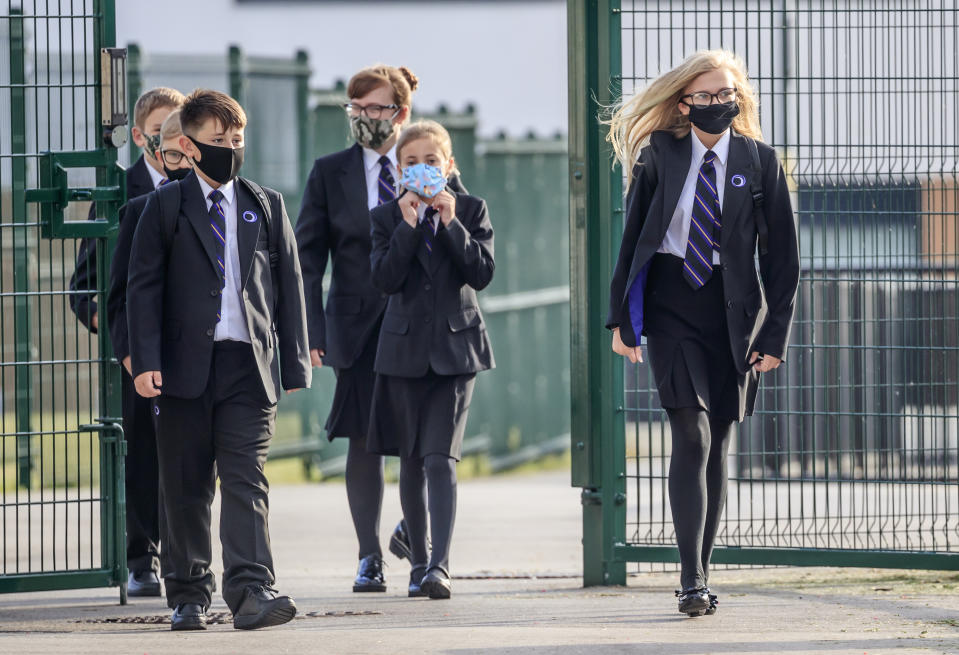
[697, 487]
[435, 476]
[364, 491]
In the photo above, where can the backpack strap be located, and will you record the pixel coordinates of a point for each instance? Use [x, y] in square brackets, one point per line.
[756, 189]
[266, 206]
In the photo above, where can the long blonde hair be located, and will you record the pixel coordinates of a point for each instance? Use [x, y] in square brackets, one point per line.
[656, 107]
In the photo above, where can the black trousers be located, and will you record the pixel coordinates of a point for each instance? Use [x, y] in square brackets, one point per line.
[226, 432]
[144, 515]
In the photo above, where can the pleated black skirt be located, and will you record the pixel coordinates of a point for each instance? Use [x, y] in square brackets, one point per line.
[353, 397]
[415, 417]
[688, 344]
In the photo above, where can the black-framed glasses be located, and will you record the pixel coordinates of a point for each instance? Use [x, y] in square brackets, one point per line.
[371, 111]
[705, 98]
[172, 157]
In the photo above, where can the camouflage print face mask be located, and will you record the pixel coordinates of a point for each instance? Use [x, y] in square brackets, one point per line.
[371, 132]
[152, 144]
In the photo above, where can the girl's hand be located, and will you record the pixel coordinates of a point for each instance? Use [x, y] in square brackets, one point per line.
[445, 203]
[408, 205]
[620, 348]
[766, 364]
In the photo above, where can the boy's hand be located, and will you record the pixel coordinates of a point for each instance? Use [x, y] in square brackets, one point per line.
[620, 348]
[148, 384]
[445, 203]
[316, 357]
[764, 363]
[128, 365]
[289, 391]
[408, 204]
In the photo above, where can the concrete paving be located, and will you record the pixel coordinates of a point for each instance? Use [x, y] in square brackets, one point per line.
[516, 557]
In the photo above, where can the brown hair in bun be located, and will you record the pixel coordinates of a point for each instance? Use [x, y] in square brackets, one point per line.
[402, 79]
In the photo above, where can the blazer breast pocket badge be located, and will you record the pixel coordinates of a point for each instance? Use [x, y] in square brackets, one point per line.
[249, 217]
[738, 180]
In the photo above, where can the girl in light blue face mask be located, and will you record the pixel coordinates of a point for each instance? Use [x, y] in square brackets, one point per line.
[432, 251]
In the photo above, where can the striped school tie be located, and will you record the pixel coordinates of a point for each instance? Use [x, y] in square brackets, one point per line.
[704, 226]
[218, 225]
[429, 228]
[386, 186]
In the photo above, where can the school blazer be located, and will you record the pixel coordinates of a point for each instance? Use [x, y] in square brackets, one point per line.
[759, 307]
[334, 223]
[432, 319]
[129, 218]
[173, 294]
[84, 278]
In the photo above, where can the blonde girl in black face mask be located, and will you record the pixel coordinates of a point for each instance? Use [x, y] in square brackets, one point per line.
[705, 195]
[334, 223]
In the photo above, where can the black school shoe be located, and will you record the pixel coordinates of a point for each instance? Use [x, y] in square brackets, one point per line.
[415, 590]
[694, 601]
[369, 575]
[188, 616]
[143, 584]
[263, 607]
[436, 585]
[400, 542]
[713, 603]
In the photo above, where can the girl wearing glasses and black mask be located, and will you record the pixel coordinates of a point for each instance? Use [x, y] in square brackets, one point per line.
[686, 278]
[334, 223]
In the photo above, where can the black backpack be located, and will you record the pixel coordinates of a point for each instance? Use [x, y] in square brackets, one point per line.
[756, 189]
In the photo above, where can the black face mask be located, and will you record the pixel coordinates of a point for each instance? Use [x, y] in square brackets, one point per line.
[715, 118]
[176, 174]
[219, 163]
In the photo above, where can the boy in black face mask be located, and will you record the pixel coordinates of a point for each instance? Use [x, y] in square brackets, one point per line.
[217, 324]
[143, 517]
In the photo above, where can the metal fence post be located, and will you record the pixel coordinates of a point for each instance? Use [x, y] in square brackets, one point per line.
[134, 89]
[597, 426]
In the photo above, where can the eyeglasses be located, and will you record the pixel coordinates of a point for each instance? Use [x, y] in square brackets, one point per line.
[172, 157]
[372, 111]
[704, 98]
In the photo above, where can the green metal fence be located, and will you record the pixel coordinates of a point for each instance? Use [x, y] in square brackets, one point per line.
[851, 458]
[520, 410]
[61, 447]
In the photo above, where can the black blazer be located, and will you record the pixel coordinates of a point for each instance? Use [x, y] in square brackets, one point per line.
[84, 278]
[129, 218]
[759, 315]
[335, 221]
[173, 294]
[433, 320]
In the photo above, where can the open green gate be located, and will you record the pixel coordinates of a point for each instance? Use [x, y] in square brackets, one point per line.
[851, 458]
[62, 113]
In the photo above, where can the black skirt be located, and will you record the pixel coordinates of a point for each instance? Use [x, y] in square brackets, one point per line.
[688, 344]
[353, 397]
[415, 417]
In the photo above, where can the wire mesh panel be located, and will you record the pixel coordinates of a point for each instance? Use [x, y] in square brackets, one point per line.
[853, 447]
[60, 485]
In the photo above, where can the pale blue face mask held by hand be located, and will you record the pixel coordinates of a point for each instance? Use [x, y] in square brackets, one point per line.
[424, 180]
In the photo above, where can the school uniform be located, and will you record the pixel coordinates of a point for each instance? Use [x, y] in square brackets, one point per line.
[144, 515]
[701, 332]
[334, 224]
[141, 179]
[432, 343]
[226, 336]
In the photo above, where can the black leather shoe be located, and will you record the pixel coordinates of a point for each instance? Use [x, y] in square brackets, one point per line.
[693, 601]
[400, 542]
[263, 607]
[369, 575]
[143, 583]
[415, 590]
[436, 585]
[188, 616]
[713, 603]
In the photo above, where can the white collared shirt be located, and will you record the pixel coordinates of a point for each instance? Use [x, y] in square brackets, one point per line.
[156, 177]
[674, 243]
[232, 325]
[371, 162]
